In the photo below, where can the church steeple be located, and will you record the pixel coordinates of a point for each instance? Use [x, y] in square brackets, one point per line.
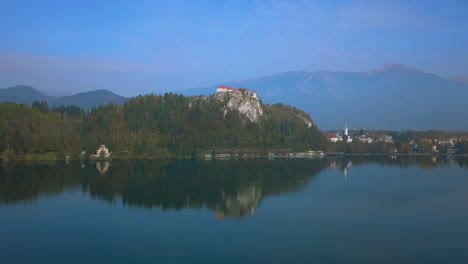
[346, 130]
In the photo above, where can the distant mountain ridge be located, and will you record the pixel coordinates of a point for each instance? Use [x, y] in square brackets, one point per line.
[394, 97]
[23, 94]
[27, 95]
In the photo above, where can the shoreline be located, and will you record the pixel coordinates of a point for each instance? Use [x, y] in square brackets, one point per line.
[229, 156]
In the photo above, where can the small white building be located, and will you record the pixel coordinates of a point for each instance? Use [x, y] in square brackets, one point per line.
[334, 138]
[365, 139]
[102, 152]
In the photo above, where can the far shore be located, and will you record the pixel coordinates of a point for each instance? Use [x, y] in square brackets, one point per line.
[229, 156]
[334, 154]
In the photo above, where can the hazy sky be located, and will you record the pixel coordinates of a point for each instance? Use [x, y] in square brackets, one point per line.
[132, 47]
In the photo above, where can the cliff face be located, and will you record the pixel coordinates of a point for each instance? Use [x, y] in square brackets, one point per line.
[244, 103]
[306, 121]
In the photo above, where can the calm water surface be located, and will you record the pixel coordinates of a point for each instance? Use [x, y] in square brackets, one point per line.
[402, 210]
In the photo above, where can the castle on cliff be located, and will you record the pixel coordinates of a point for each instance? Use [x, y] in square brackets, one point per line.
[226, 89]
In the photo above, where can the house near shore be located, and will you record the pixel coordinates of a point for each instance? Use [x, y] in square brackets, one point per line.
[334, 138]
[103, 152]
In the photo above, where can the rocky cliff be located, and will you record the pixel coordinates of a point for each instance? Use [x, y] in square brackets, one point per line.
[244, 103]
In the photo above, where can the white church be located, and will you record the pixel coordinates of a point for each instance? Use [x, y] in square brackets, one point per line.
[350, 139]
[336, 137]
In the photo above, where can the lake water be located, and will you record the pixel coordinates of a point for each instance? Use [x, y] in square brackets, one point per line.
[402, 210]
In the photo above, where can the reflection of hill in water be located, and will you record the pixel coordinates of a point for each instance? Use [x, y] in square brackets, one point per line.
[20, 182]
[229, 188]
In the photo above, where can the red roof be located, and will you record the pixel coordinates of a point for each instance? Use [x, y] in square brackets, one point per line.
[234, 89]
[331, 136]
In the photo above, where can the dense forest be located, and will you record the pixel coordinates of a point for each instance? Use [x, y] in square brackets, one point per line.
[150, 126]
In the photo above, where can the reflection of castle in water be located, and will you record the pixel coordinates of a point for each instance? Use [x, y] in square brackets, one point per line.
[245, 201]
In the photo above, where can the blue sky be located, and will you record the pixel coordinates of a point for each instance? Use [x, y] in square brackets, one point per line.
[133, 47]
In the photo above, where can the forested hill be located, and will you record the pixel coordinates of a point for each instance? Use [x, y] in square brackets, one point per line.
[153, 126]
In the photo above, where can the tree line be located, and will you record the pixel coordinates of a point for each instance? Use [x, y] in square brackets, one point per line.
[150, 126]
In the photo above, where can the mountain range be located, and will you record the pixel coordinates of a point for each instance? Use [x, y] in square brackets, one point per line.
[86, 100]
[392, 97]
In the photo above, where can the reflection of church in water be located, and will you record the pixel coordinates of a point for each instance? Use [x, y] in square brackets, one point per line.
[344, 166]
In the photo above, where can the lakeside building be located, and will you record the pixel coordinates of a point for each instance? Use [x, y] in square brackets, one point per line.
[102, 152]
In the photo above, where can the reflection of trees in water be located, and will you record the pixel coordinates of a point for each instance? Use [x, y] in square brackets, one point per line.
[229, 188]
[19, 182]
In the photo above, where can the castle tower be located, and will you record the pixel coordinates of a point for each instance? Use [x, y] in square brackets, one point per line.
[255, 95]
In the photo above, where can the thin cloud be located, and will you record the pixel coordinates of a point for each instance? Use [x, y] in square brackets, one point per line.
[14, 62]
